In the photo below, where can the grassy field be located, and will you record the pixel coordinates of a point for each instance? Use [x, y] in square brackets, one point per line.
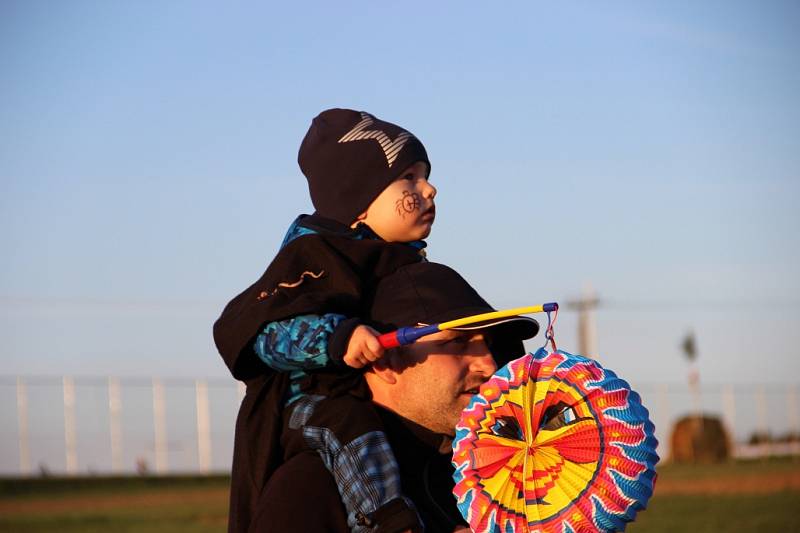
[125, 504]
[735, 497]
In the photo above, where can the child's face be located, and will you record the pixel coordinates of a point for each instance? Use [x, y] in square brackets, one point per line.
[404, 211]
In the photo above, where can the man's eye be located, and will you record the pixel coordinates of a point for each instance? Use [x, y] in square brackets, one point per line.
[409, 177]
[461, 340]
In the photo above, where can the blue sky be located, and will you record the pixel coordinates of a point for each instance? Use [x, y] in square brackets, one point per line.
[148, 168]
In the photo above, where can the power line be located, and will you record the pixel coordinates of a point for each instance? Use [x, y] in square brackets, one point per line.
[685, 304]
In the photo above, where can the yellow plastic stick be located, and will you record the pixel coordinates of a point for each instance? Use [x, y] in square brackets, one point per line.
[491, 316]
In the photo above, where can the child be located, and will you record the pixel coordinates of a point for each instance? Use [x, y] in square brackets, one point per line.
[368, 181]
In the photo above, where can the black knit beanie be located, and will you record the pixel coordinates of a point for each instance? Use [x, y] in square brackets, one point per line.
[349, 157]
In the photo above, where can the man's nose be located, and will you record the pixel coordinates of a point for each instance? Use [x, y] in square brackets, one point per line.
[483, 364]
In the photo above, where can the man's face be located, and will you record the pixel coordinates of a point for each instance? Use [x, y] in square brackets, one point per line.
[437, 377]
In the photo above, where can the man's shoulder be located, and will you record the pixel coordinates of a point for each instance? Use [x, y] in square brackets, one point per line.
[300, 496]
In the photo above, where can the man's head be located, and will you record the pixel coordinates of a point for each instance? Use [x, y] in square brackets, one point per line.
[352, 159]
[431, 381]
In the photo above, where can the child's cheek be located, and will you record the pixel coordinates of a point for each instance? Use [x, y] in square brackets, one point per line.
[407, 203]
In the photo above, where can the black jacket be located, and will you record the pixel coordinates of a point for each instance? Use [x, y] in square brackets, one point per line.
[333, 270]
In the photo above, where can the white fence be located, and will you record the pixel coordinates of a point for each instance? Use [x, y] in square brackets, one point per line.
[80, 425]
[84, 425]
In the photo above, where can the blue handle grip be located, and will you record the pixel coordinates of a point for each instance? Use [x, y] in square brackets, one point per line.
[410, 335]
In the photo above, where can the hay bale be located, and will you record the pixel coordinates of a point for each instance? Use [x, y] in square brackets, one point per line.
[699, 439]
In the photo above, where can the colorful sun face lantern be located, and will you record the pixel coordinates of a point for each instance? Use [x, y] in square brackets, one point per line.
[553, 442]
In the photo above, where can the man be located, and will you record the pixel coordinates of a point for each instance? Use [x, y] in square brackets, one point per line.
[421, 389]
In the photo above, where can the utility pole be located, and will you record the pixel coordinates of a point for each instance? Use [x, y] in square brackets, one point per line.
[587, 331]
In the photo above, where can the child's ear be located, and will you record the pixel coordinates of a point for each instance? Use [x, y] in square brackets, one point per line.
[359, 218]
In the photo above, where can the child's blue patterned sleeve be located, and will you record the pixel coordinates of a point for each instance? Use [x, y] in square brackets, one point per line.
[299, 343]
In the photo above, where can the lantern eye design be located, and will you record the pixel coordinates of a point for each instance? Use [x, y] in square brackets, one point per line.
[508, 427]
[560, 415]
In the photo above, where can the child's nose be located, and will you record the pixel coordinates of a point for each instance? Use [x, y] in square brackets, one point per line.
[429, 191]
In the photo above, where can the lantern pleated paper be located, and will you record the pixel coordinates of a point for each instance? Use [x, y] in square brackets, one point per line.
[554, 442]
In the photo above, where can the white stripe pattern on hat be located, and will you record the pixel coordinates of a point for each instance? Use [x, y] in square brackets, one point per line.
[390, 148]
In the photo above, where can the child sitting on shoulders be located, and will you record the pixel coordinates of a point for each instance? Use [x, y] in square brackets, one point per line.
[368, 181]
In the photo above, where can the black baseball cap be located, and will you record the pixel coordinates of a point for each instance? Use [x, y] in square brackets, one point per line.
[429, 293]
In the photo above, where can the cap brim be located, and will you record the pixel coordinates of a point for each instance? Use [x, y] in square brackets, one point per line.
[520, 327]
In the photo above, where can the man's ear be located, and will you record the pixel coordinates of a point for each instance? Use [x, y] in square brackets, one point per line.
[383, 370]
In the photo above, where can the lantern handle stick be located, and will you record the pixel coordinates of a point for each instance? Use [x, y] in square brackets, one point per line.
[408, 335]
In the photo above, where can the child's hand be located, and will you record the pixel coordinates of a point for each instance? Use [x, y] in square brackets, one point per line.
[363, 347]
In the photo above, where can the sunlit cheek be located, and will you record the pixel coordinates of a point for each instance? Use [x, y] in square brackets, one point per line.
[407, 203]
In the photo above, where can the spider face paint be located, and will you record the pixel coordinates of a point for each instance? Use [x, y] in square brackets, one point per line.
[408, 203]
